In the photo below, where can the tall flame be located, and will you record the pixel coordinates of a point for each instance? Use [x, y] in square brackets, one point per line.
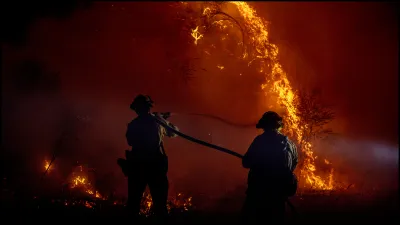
[276, 81]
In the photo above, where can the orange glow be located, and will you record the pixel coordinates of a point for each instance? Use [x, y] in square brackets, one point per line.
[47, 166]
[196, 35]
[276, 83]
[178, 202]
[80, 180]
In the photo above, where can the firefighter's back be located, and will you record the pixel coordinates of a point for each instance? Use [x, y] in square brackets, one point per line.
[144, 136]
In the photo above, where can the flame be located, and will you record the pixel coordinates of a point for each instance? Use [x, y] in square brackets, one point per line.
[88, 205]
[206, 11]
[276, 81]
[179, 202]
[196, 35]
[47, 165]
[80, 181]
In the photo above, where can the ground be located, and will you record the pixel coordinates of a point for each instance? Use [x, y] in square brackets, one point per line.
[311, 209]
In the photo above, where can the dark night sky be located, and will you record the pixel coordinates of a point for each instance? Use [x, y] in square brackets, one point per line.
[108, 52]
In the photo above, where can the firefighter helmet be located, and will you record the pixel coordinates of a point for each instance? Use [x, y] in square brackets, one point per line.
[140, 101]
[270, 119]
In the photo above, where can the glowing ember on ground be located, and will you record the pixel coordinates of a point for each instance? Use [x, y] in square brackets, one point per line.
[178, 203]
[276, 80]
[80, 182]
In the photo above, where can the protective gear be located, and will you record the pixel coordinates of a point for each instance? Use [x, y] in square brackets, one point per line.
[271, 158]
[270, 154]
[123, 163]
[144, 134]
[147, 162]
[151, 172]
[141, 100]
[270, 120]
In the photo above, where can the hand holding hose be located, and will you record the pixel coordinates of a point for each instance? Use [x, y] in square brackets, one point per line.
[164, 115]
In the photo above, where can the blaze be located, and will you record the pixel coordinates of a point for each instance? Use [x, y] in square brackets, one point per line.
[276, 81]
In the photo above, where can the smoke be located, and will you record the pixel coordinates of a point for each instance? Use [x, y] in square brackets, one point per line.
[363, 164]
[106, 55]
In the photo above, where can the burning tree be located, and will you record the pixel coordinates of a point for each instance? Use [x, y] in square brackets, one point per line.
[305, 117]
[315, 115]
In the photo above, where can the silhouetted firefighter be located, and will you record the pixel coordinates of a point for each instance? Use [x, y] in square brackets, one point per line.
[271, 158]
[146, 163]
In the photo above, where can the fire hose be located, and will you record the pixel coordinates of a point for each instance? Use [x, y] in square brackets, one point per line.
[245, 125]
[195, 140]
[192, 139]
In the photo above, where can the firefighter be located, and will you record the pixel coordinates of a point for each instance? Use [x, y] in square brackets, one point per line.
[147, 161]
[271, 158]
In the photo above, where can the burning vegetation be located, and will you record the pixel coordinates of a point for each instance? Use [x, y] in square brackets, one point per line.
[178, 203]
[249, 32]
[82, 192]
